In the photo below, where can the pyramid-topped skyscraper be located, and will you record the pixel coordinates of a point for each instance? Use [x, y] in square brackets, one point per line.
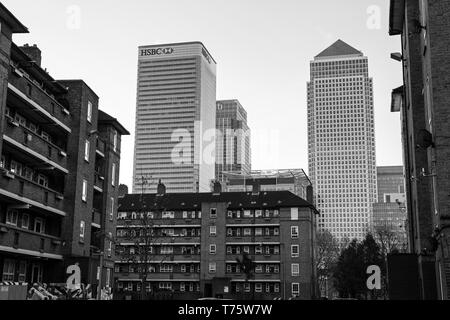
[342, 163]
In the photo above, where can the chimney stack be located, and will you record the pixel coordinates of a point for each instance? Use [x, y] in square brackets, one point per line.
[161, 190]
[33, 52]
[217, 188]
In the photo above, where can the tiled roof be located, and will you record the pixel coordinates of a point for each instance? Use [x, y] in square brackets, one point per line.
[192, 201]
[339, 48]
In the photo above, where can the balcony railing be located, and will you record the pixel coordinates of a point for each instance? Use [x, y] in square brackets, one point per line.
[33, 141]
[99, 181]
[30, 192]
[101, 147]
[96, 217]
[39, 244]
[51, 107]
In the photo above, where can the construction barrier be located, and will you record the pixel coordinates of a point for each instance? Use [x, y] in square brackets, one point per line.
[13, 290]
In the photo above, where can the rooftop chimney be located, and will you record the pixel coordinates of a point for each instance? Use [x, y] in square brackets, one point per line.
[33, 52]
[161, 190]
[256, 188]
[217, 188]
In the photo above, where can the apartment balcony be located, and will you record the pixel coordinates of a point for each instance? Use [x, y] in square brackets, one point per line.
[266, 258]
[19, 241]
[100, 148]
[20, 191]
[162, 223]
[255, 240]
[26, 141]
[37, 104]
[155, 276]
[271, 221]
[96, 218]
[257, 276]
[99, 182]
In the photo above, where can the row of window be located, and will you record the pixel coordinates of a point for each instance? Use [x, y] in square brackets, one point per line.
[24, 171]
[258, 287]
[23, 220]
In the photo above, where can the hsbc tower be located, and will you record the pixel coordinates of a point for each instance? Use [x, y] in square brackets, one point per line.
[175, 118]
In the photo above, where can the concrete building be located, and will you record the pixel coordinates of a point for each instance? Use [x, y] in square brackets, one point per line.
[293, 180]
[197, 237]
[341, 140]
[60, 159]
[423, 101]
[233, 135]
[175, 118]
[389, 212]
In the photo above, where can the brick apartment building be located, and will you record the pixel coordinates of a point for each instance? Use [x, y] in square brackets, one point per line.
[60, 158]
[198, 237]
[423, 102]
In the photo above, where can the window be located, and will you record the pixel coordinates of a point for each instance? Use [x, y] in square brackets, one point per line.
[130, 286]
[166, 268]
[11, 217]
[295, 289]
[294, 214]
[212, 231]
[185, 215]
[276, 287]
[183, 268]
[110, 244]
[8, 270]
[258, 213]
[22, 271]
[89, 111]
[230, 214]
[166, 250]
[258, 250]
[165, 285]
[212, 267]
[115, 141]
[25, 221]
[39, 225]
[295, 251]
[42, 180]
[294, 232]
[247, 287]
[87, 150]
[247, 232]
[295, 269]
[84, 191]
[213, 213]
[212, 249]
[258, 287]
[111, 213]
[182, 287]
[258, 232]
[113, 175]
[82, 228]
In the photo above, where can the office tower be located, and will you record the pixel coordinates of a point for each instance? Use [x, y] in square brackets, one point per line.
[389, 212]
[341, 140]
[198, 238]
[423, 103]
[59, 172]
[175, 118]
[232, 139]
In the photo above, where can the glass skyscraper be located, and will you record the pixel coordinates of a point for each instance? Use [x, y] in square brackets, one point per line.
[232, 139]
[175, 118]
[341, 139]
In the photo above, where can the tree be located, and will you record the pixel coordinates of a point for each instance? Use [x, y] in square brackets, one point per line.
[389, 239]
[327, 254]
[141, 231]
[350, 273]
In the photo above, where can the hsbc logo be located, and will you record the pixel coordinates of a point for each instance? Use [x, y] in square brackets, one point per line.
[156, 52]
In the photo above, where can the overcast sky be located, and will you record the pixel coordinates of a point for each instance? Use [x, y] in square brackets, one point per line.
[262, 47]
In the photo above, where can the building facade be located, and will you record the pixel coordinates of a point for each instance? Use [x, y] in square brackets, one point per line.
[389, 212]
[423, 105]
[341, 140]
[55, 211]
[175, 118]
[293, 180]
[233, 135]
[200, 238]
